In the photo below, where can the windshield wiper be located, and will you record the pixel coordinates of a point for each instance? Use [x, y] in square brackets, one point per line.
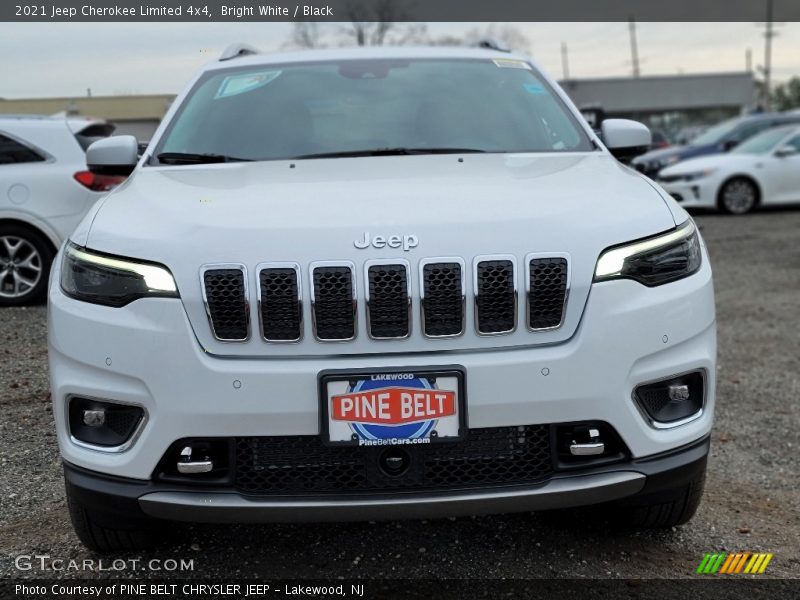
[388, 152]
[191, 158]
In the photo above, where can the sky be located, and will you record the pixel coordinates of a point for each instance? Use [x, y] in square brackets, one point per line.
[66, 59]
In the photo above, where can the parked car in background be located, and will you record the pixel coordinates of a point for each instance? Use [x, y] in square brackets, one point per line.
[660, 140]
[687, 134]
[715, 140]
[45, 190]
[763, 170]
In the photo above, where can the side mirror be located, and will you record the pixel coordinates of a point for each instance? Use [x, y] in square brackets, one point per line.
[116, 155]
[785, 151]
[625, 139]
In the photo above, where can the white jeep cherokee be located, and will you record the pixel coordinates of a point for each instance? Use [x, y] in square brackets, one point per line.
[381, 283]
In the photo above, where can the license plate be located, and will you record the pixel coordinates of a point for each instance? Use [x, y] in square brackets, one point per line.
[392, 408]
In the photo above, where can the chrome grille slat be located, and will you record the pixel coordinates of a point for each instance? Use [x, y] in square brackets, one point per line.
[442, 297]
[548, 287]
[280, 302]
[388, 299]
[333, 301]
[495, 294]
[226, 297]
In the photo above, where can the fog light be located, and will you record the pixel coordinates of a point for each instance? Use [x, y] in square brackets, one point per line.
[670, 402]
[100, 423]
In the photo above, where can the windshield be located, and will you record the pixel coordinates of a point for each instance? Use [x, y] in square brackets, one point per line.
[284, 111]
[763, 142]
[715, 134]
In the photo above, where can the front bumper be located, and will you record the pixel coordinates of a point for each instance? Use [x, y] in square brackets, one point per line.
[701, 193]
[146, 354]
[129, 498]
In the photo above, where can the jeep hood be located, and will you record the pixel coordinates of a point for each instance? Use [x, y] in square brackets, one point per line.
[311, 210]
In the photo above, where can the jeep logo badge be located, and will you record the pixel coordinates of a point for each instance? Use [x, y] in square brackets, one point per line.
[406, 242]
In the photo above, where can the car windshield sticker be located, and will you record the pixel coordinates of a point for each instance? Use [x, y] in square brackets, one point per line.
[510, 63]
[534, 88]
[239, 84]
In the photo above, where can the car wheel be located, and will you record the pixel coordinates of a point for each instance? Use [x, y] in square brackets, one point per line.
[25, 260]
[738, 196]
[104, 533]
[665, 509]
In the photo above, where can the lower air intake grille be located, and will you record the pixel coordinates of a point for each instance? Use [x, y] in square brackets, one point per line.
[302, 465]
[496, 296]
[547, 294]
[281, 310]
[226, 302]
[388, 301]
[334, 303]
[443, 303]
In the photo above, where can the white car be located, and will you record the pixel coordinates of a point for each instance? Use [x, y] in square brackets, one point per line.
[764, 170]
[45, 190]
[379, 283]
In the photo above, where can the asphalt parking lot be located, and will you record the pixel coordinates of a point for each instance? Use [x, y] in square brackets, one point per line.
[751, 500]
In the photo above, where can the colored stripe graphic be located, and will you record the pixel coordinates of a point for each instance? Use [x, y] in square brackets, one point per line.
[734, 562]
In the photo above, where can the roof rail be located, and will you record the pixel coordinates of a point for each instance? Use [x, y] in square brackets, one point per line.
[237, 50]
[493, 44]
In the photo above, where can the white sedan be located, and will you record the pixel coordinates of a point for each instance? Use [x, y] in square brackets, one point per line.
[763, 170]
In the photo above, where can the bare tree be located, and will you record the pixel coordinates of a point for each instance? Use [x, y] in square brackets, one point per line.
[379, 22]
[307, 34]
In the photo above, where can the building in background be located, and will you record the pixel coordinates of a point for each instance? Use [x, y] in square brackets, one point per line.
[135, 115]
[668, 102]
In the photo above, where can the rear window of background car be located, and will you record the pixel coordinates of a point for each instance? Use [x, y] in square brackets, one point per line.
[12, 151]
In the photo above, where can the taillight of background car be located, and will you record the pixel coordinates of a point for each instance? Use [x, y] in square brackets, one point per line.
[98, 183]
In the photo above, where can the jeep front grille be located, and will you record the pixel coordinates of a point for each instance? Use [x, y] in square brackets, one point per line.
[390, 304]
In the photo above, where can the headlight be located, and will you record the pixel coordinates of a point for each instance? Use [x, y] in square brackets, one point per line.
[112, 281]
[695, 175]
[653, 261]
[663, 164]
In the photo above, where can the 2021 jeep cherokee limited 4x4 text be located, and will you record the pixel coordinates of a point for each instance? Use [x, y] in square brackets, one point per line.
[381, 283]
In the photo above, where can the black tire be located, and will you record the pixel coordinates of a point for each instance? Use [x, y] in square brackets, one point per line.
[22, 243]
[665, 509]
[105, 532]
[738, 196]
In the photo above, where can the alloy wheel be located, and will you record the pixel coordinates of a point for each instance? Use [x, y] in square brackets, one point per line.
[739, 197]
[20, 267]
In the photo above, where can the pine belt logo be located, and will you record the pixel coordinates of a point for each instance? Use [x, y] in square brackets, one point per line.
[732, 563]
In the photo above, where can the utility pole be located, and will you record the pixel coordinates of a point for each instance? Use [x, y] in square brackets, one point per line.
[748, 60]
[564, 61]
[769, 33]
[634, 47]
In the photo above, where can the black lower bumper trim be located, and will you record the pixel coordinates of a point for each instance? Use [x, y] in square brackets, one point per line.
[129, 498]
